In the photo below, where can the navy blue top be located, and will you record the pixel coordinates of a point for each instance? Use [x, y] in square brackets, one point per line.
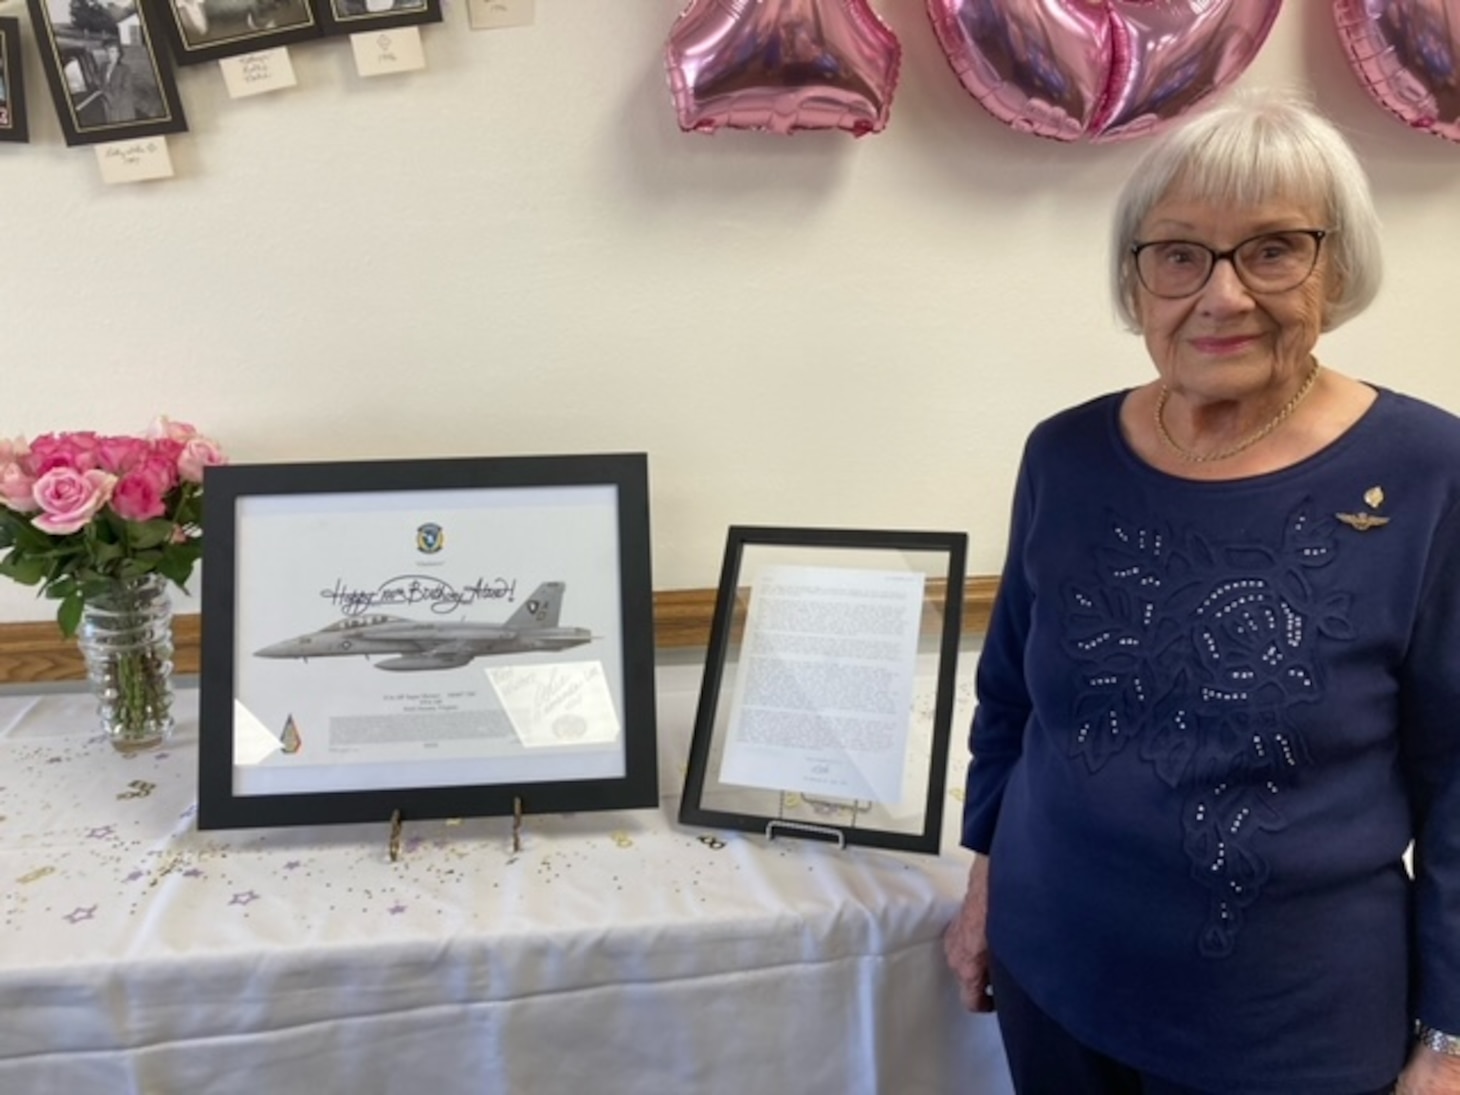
[1211, 717]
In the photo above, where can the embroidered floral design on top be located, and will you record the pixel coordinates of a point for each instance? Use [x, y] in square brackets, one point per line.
[1205, 651]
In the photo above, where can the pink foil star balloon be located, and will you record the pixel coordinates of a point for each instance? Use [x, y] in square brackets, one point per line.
[782, 65]
[1406, 53]
[1102, 69]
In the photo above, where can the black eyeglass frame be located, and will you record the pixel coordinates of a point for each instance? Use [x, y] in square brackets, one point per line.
[1318, 235]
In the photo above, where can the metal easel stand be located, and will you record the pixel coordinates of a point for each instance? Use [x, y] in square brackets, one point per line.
[393, 848]
[836, 834]
[775, 826]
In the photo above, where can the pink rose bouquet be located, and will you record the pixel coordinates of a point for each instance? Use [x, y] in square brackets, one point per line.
[81, 511]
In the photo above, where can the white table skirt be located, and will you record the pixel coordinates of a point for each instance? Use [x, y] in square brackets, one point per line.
[616, 952]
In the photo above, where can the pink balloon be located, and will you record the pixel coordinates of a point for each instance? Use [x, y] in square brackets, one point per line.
[782, 65]
[1102, 69]
[1406, 53]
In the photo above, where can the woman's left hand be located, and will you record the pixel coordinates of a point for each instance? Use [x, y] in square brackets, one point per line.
[1429, 1073]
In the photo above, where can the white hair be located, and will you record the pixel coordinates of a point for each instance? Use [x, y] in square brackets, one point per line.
[1252, 149]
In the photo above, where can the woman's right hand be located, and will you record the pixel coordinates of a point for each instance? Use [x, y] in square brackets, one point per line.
[965, 942]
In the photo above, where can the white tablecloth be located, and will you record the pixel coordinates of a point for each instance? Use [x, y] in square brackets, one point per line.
[616, 952]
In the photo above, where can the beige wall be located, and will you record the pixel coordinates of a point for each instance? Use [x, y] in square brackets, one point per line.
[516, 251]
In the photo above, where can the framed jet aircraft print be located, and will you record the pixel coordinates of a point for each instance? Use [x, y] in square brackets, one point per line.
[426, 639]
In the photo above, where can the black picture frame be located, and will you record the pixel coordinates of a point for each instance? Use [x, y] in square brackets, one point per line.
[13, 122]
[211, 30]
[921, 568]
[355, 16]
[96, 102]
[473, 554]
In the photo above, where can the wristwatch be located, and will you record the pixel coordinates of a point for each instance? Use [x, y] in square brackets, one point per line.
[1437, 1040]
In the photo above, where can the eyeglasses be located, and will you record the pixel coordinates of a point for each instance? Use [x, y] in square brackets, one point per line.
[1273, 262]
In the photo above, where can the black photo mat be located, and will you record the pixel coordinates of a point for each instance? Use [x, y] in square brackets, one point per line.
[805, 726]
[426, 639]
[13, 123]
[109, 77]
[211, 30]
[358, 16]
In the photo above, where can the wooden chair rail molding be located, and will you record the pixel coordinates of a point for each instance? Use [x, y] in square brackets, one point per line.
[35, 652]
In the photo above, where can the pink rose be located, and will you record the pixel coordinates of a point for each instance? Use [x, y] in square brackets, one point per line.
[17, 489]
[136, 498]
[120, 455]
[69, 498]
[12, 452]
[167, 451]
[63, 450]
[199, 452]
[164, 428]
[162, 470]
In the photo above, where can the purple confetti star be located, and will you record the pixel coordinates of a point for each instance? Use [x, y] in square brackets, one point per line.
[134, 876]
[78, 914]
[247, 897]
[101, 832]
[293, 865]
[193, 872]
[396, 909]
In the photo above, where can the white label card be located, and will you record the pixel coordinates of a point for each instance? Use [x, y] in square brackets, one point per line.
[384, 52]
[255, 73]
[134, 161]
[567, 703]
[497, 14]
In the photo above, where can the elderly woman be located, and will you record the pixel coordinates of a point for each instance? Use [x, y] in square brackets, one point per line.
[1220, 694]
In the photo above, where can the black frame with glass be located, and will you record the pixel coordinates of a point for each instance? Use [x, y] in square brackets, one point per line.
[74, 62]
[937, 560]
[277, 533]
[355, 16]
[194, 38]
[13, 123]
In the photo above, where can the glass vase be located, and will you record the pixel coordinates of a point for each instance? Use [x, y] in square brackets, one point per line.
[125, 636]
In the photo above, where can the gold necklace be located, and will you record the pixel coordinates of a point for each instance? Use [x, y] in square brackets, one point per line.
[1247, 442]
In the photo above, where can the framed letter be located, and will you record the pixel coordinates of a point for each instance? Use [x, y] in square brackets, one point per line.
[809, 720]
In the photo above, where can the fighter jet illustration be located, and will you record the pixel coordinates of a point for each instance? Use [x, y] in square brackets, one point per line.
[424, 644]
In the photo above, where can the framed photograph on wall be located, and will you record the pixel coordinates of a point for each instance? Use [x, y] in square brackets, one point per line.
[433, 638]
[828, 689]
[12, 84]
[209, 30]
[107, 77]
[354, 16]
